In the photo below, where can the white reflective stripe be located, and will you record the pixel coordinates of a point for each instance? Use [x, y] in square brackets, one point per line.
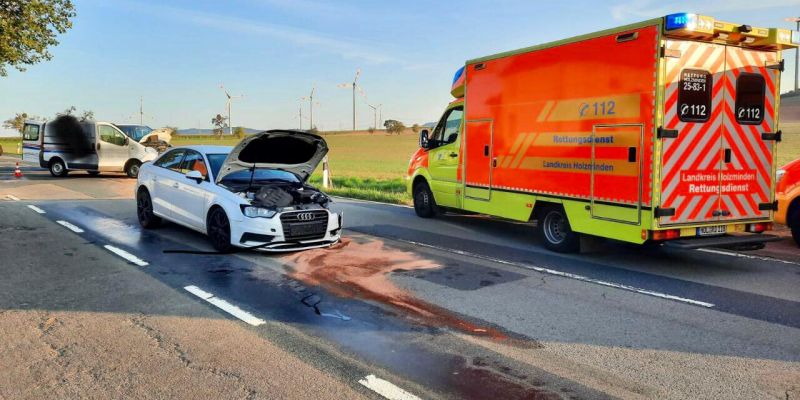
[386, 389]
[70, 226]
[37, 209]
[225, 306]
[127, 256]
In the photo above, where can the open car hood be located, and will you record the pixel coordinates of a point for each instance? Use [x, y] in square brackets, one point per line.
[295, 151]
[161, 134]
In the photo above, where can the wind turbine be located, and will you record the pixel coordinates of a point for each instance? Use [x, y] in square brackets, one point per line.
[375, 114]
[228, 104]
[310, 99]
[355, 87]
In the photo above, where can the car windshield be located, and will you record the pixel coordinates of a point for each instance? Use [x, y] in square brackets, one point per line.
[216, 161]
[261, 175]
[135, 132]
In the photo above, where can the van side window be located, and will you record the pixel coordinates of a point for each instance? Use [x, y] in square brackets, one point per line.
[30, 132]
[694, 95]
[171, 160]
[194, 162]
[447, 130]
[110, 135]
[750, 98]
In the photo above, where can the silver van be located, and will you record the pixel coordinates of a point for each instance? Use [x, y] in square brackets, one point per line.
[66, 144]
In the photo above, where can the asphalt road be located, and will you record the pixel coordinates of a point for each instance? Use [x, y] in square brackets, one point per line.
[454, 307]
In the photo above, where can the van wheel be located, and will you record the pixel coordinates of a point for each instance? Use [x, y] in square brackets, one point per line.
[219, 230]
[132, 169]
[424, 203]
[554, 229]
[794, 222]
[144, 210]
[57, 168]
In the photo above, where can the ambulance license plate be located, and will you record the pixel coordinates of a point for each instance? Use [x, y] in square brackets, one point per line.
[712, 230]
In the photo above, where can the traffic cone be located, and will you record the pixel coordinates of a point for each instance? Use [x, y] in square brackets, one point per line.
[17, 172]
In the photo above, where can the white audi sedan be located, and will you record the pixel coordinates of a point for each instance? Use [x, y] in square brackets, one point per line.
[254, 195]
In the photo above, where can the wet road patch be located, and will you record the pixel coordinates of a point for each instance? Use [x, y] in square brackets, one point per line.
[465, 276]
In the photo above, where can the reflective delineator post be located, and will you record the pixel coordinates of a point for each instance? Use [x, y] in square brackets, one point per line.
[326, 174]
[17, 172]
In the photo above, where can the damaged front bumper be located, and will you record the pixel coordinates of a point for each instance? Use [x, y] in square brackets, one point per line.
[290, 231]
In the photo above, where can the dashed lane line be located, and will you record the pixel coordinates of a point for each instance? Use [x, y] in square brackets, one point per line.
[225, 306]
[386, 389]
[37, 209]
[748, 256]
[70, 226]
[12, 197]
[566, 275]
[127, 256]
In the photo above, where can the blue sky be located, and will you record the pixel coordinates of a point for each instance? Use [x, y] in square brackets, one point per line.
[175, 54]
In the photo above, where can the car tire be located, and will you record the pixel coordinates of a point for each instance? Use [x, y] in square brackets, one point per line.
[424, 203]
[57, 168]
[218, 228]
[132, 169]
[555, 231]
[794, 223]
[144, 210]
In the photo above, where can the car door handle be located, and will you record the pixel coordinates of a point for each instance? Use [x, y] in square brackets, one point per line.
[453, 155]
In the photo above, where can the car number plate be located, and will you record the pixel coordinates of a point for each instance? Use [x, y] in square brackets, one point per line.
[712, 230]
[306, 229]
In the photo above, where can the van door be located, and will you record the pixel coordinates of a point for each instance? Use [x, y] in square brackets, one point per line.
[31, 143]
[691, 135]
[616, 172]
[748, 144]
[112, 149]
[443, 157]
[478, 159]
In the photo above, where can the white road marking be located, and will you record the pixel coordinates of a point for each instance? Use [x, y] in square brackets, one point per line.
[12, 197]
[37, 209]
[752, 257]
[386, 389]
[371, 201]
[567, 275]
[70, 226]
[225, 306]
[127, 256]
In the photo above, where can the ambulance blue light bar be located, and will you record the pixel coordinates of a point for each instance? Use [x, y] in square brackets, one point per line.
[458, 75]
[681, 21]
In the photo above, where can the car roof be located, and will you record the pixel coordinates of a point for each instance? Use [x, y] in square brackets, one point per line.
[207, 149]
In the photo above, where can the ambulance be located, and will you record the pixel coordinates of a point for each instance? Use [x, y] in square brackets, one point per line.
[664, 131]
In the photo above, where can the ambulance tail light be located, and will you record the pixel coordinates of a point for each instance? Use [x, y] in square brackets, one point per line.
[759, 227]
[668, 234]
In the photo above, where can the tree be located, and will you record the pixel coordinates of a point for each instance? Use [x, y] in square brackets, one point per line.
[220, 123]
[393, 126]
[71, 110]
[238, 132]
[415, 128]
[28, 28]
[17, 122]
[86, 115]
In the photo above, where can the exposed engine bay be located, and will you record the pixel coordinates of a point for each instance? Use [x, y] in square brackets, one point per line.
[279, 196]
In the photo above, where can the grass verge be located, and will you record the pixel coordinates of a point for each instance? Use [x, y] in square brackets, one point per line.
[383, 190]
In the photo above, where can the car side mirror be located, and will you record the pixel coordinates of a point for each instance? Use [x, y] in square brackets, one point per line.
[196, 175]
[423, 138]
[127, 141]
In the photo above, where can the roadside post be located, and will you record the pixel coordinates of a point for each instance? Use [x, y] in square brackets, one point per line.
[326, 174]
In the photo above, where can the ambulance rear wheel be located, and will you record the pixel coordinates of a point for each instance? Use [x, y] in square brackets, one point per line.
[556, 232]
[57, 168]
[424, 203]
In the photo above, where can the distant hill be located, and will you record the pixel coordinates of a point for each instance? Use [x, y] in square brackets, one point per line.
[210, 131]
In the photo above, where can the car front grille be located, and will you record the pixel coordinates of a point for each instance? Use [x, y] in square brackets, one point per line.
[304, 225]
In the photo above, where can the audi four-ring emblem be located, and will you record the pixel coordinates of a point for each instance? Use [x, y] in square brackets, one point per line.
[305, 217]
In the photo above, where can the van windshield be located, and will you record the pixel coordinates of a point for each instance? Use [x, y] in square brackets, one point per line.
[135, 132]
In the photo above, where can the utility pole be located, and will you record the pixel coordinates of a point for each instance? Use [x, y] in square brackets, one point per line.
[301, 116]
[796, 55]
[141, 110]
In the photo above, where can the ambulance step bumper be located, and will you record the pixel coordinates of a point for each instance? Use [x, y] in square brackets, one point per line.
[723, 242]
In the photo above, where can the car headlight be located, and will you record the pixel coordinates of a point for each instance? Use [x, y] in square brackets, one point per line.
[779, 175]
[256, 212]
